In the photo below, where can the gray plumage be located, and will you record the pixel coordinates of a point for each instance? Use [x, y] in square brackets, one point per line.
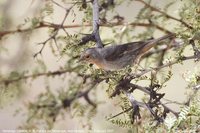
[119, 56]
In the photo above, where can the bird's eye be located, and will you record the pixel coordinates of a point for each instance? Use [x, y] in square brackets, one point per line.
[87, 56]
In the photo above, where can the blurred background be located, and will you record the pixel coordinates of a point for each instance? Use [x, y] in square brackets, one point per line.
[17, 51]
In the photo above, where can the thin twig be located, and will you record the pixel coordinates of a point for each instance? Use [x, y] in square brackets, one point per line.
[56, 26]
[120, 113]
[67, 102]
[133, 76]
[58, 4]
[165, 14]
[56, 30]
[54, 73]
[169, 109]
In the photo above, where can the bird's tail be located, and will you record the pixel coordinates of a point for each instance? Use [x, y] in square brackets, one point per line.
[153, 42]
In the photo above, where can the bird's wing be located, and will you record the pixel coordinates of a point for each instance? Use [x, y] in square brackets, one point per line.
[112, 53]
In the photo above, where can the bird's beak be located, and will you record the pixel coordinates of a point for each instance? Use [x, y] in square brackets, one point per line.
[80, 59]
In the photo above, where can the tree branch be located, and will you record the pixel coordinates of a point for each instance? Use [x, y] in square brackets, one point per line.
[56, 26]
[135, 106]
[165, 14]
[56, 30]
[67, 102]
[125, 85]
[96, 24]
[137, 75]
[54, 73]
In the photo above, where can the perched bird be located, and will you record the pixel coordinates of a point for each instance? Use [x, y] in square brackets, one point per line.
[119, 56]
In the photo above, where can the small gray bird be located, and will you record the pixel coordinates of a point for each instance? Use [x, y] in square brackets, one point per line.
[119, 56]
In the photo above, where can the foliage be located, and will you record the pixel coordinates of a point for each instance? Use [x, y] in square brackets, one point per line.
[79, 96]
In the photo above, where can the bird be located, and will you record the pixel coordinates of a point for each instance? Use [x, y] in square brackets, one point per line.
[117, 57]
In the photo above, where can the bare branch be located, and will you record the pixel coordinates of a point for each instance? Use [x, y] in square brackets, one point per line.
[165, 14]
[54, 73]
[56, 26]
[96, 24]
[162, 66]
[56, 30]
[195, 49]
[58, 4]
[135, 106]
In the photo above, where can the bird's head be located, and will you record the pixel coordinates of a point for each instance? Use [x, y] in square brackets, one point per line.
[90, 55]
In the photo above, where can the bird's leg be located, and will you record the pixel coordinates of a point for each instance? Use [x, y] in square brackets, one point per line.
[136, 62]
